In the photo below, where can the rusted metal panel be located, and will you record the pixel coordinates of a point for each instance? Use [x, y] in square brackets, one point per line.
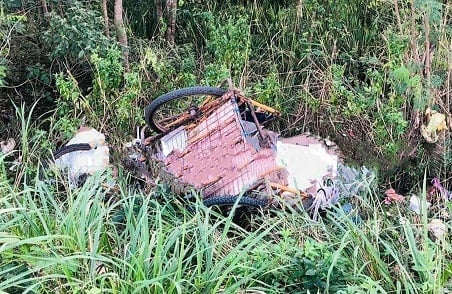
[219, 161]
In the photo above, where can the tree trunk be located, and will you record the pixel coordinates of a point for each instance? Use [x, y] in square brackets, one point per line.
[159, 14]
[121, 33]
[44, 7]
[171, 29]
[106, 20]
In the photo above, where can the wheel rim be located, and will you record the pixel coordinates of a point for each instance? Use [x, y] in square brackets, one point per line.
[177, 112]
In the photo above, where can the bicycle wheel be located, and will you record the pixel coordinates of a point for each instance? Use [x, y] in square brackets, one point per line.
[178, 107]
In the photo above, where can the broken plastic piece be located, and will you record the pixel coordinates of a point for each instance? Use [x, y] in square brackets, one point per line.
[84, 162]
[306, 165]
[8, 145]
[392, 196]
[415, 204]
[436, 123]
[437, 228]
[176, 139]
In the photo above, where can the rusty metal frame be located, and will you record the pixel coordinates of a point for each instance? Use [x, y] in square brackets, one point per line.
[159, 169]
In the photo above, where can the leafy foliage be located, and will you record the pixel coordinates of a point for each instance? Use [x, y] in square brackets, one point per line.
[291, 267]
[108, 101]
[9, 23]
[77, 33]
[229, 41]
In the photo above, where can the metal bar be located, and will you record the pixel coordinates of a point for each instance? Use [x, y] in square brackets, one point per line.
[265, 107]
[256, 121]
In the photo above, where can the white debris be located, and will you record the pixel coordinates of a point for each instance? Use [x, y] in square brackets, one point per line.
[306, 165]
[87, 162]
[16, 163]
[438, 228]
[8, 145]
[404, 221]
[177, 139]
[415, 204]
[88, 135]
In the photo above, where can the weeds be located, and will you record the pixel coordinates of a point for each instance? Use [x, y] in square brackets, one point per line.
[361, 72]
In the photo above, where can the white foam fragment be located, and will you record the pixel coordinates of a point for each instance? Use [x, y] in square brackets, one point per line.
[88, 135]
[85, 162]
[306, 164]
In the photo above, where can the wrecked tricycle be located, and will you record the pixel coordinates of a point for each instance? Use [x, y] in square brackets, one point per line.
[213, 141]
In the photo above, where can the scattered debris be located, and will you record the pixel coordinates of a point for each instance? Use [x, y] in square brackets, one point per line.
[392, 196]
[8, 145]
[436, 123]
[225, 152]
[352, 182]
[325, 197]
[438, 188]
[319, 159]
[437, 228]
[404, 221]
[16, 163]
[415, 204]
[319, 165]
[347, 209]
[217, 158]
[83, 155]
[135, 161]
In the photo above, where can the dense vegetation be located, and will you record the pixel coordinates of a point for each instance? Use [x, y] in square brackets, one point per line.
[362, 72]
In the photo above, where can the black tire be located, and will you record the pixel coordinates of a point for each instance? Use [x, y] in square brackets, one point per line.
[71, 148]
[152, 108]
[231, 200]
[60, 152]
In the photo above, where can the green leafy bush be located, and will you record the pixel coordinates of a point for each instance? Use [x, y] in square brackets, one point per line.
[9, 23]
[110, 101]
[77, 33]
[290, 266]
[229, 41]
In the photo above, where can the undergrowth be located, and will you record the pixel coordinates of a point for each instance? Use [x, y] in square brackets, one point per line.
[107, 237]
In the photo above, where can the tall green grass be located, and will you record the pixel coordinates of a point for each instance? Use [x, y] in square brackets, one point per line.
[94, 240]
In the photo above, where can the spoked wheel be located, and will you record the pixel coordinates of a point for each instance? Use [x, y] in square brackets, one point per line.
[176, 108]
